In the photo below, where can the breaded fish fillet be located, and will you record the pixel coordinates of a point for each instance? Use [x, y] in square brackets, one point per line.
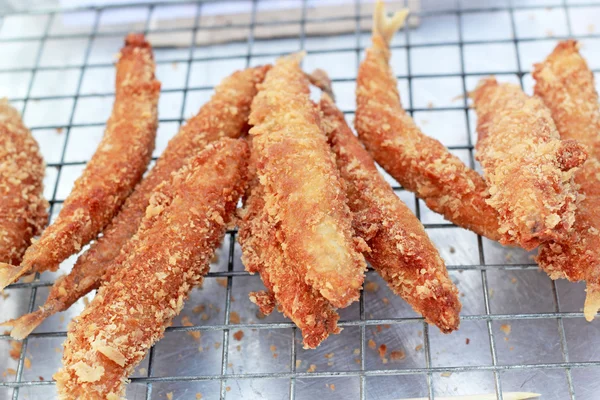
[115, 168]
[23, 209]
[528, 169]
[168, 256]
[566, 85]
[262, 252]
[418, 162]
[400, 250]
[225, 115]
[302, 188]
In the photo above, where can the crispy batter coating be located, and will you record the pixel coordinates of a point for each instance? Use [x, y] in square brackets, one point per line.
[303, 191]
[169, 255]
[566, 85]
[400, 250]
[420, 163]
[528, 169]
[23, 209]
[283, 277]
[225, 115]
[115, 168]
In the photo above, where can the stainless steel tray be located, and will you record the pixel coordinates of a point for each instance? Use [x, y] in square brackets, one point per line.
[520, 331]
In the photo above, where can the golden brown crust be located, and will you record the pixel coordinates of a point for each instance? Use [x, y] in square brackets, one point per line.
[167, 257]
[23, 209]
[303, 192]
[528, 169]
[115, 168]
[261, 241]
[400, 250]
[225, 115]
[419, 163]
[566, 85]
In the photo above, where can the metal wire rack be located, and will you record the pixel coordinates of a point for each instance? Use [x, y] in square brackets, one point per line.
[520, 331]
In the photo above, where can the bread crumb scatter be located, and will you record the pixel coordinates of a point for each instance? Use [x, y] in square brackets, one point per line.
[312, 368]
[467, 341]
[371, 287]
[198, 396]
[15, 349]
[298, 363]
[329, 355]
[372, 344]
[222, 282]
[170, 396]
[234, 318]
[239, 335]
[506, 328]
[446, 374]
[27, 363]
[419, 347]
[398, 355]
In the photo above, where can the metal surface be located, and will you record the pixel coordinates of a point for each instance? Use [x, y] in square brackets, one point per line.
[520, 331]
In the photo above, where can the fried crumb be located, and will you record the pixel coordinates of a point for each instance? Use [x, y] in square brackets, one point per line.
[430, 104]
[513, 280]
[229, 365]
[217, 345]
[329, 355]
[199, 309]
[511, 348]
[41, 378]
[382, 350]
[222, 282]
[204, 317]
[228, 388]
[170, 396]
[238, 347]
[398, 355]
[446, 374]
[506, 328]
[298, 363]
[27, 363]
[387, 326]
[59, 130]
[452, 250]
[356, 351]
[467, 341]
[372, 344]
[174, 65]
[371, 287]
[198, 396]
[15, 349]
[9, 371]
[419, 347]
[239, 335]
[312, 368]
[57, 350]
[234, 317]
[549, 33]
[591, 28]
[86, 301]
[332, 387]
[420, 333]
[143, 371]
[185, 321]
[357, 360]
[273, 348]
[506, 338]
[5, 295]
[28, 279]
[200, 349]
[61, 318]
[385, 301]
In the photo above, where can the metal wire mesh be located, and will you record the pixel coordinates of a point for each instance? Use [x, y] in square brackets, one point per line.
[546, 313]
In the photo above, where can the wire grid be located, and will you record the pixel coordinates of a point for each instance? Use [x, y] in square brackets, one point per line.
[357, 380]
